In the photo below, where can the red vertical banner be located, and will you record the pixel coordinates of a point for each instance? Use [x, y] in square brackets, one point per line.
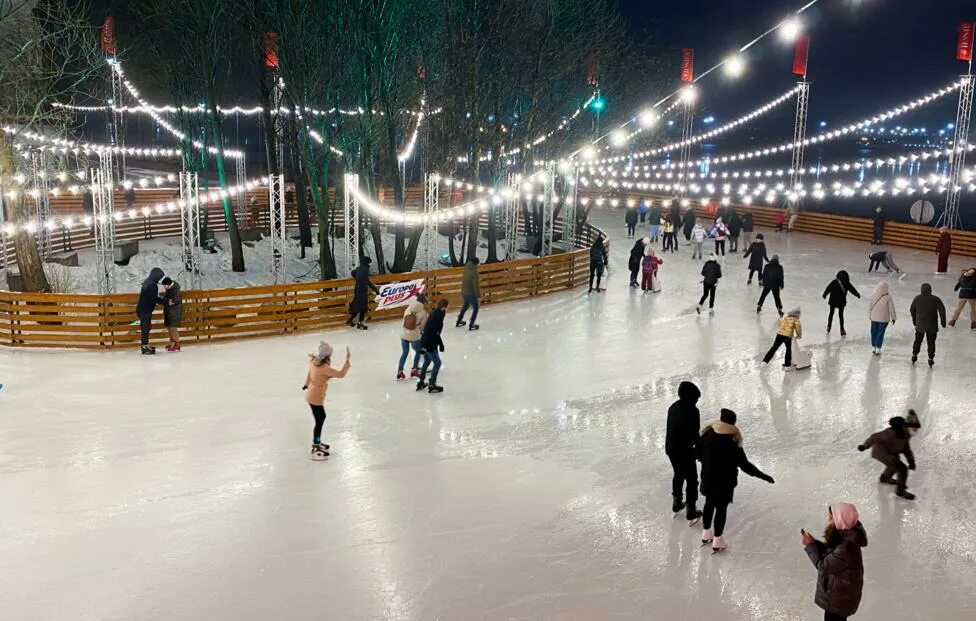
[271, 50]
[801, 54]
[592, 70]
[687, 64]
[964, 47]
[108, 35]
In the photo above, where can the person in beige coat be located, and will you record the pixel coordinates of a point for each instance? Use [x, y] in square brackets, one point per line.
[881, 309]
[414, 318]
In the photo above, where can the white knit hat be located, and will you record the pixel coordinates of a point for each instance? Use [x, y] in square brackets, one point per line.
[325, 350]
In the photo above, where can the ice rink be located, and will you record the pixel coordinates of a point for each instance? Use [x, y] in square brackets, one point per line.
[536, 487]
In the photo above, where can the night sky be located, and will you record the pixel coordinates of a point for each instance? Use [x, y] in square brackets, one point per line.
[866, 55]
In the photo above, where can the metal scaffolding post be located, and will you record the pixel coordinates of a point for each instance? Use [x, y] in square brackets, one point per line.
[277, 230]
[118, 131]
[190, 226]
[350, 217]
[240, 171]
[103, 222]
[512, 202]
[799, 139]
[431, 198]
[570, 203]
[684, 154]
[957, 160]
[42, 201]
[278, 98]
[548, 209]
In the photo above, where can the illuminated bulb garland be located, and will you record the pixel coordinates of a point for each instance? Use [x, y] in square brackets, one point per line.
[63, 145]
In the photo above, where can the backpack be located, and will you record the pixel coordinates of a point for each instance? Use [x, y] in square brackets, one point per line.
[410, 321]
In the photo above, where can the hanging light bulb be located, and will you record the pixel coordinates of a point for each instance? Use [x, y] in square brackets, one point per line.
[618, 137]
[734, 66]
[790, 29]
[688, 95]
[648, 118]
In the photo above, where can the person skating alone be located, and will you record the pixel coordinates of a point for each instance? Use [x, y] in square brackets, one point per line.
[680, 445]
[598, 262]
[966, 286]
[773, 281]
[747, 228]
[320, 371]
[148, 299]
[789, 327]
[649, 271]
[840, 568]
[630, 217]
[836, 296]
[432, 345]
[172, 312]
[360, 297]
[735, 229]
[634, 262]
[720, 233]
[654, 219]
[711, 273]
[722, 456]
[697, 241]
[881, 311]
[668, 241]
[883, 258]
[928, 312]
[756, 253]
[471, 293]
[888, 445]
[414, 319]
[942, 251]
[688, 224]
[878, 226]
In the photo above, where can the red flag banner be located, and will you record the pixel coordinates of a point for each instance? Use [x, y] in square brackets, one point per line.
[108, 35]
[801, 54]
[687, 64]
[592, 70]
[271, 50]
[964, 47]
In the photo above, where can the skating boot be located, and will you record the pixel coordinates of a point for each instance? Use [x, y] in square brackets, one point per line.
[173, 347]
[780, 311]
[711, 312]
[349, 322]
[907, 495]
[323, 447]
[421, 385]
[843, 333]
[401, 375]
[318, 454]
[914, 359]
[460, 323]
[887, 480]
[473, 327]
[707, 536]
[677, 505]
[718, 545]
[758, 309]
[148, 350]
[434, 389]
[414, 372]
[931, 362]
[693, 515]
[362, 326]
[698, 309]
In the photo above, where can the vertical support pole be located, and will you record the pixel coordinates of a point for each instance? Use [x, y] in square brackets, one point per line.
[104, 223]
[548, 209]
[957, 159]
[278, 98]
[240, 171]
[350, 214]
[512, 203]
[431, 201]
[799, 138]
[687, 129]
[571, 188]
[277, 229]
[190, 226]
[42, 200]
[118, 132]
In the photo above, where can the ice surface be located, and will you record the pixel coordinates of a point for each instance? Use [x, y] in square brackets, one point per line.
[535, 487]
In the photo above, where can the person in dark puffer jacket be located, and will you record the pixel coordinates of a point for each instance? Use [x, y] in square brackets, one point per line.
[756, 253]
[148, 299]
[773, 281]
[634, 263]
[837, 290]
[888, 445]
[432, 345]
[598, 262]
[966, 286]
[840, 567]
[711, 273]
[928, 312]
[680, 445]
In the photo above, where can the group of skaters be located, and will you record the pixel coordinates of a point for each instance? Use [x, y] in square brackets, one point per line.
[718, 447]
[667, 226]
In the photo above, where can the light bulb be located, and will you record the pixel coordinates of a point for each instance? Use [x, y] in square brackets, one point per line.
[618, 137]
[734, 66]
[790, 29]
[648, 118]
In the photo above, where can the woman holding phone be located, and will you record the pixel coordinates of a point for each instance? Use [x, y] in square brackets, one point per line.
[840, 568]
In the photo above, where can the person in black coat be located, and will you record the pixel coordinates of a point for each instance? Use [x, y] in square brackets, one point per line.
[734, 224]
[840, 567]
[747, 228]
[756, 253]
[689, 223]
[928, 312]
[676, 217]
[773, 281]
[721, 455]
[432, 345]
[634, 263]
[148, 299]
[836, 296]
[654, 219]
[878, 227]
[360, 297]
[630, 217]
[711, 273]
[598, 262]
[680, 445]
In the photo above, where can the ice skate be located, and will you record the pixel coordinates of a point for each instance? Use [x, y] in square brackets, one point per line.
[952, 323]
[698, 309]
[401, 375]
[931, 362]
[719, 545]
[914, 359]
[843, 333]
[707, 537]
[677, 505]
[435, 389]
[148, 350]
[415, 372]
[887, 480]
[173, 347]
[693, 516]
[972, 325]
[460, 323]
[758, 310]
[473, 327]
[318, 454]
[362, 326]
[421, 385]
[907, 495]
[711, 312]
[322, 446]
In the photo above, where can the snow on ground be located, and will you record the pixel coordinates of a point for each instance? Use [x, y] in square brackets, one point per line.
[535, 487]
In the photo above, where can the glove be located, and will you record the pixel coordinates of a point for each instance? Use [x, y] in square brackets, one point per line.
[305, 387]
[861, 448]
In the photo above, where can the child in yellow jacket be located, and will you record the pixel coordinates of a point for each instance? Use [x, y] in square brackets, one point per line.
[789, 327]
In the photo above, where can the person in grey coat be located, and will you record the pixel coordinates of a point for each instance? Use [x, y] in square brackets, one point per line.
[927, 312]
[840, 567]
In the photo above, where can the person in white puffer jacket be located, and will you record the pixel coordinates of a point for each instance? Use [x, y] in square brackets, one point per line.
[416, 316]
[697, 240]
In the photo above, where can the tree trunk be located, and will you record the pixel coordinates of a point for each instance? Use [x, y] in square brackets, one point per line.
[301, 191]
[319, 181]
[29, 262]
[236, 247]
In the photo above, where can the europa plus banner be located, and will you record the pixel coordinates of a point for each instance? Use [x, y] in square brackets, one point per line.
[964, 47]
[801, 54]
[687, 64]
[108, 35]
[398, 293]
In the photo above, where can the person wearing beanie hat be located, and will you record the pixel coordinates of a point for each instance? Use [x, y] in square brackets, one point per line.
[888, 445]
[320, 371]
[711, 273]
[773, 281]
[722, 456]
[756, 253]
[360, 297]
[680, 445]
[928, 312]
[840, 567]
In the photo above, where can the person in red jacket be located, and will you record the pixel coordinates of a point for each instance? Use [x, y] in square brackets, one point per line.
[942, 251]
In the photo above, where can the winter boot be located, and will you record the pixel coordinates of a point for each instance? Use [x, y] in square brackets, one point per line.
[904, 493]
[707, 536]
[401, 375]
[421, 385]
[718, 544]
[148, 350]
[434, 389]
[415, 372]
[677, 504]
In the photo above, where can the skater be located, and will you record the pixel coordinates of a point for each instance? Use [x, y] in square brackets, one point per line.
[711, 273]
[360, 298]
[721, 455]
[756, 253]
[838, 290]
[172, 312]
[791, 216]
[649, 271]
[471, 293]
[966, 286]
[414, 318]
[675, 218]
[667, 236]
[432, 345]
[788, 327]
[697, 240]
[877, 230]
[883, 257]
[747, 228]
[598, 262]
[720, 232]
[680, 445]
[148, 299]
[888, 445]
[654, 218]
[643, 211]
[881, 310]
[942, 251]
[320, 371]
[773, 282]
[634, 263]
[630, 217]
[928, 312]
[780, 220]
[689, 224]
[735, 229]
[840, 568]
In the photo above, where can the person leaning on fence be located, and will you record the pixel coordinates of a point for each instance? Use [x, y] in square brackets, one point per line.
[148, 299]
[360, 298]
[172, 302]
[598, 262]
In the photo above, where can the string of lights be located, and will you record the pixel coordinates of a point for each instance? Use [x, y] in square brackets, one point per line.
[63, 145]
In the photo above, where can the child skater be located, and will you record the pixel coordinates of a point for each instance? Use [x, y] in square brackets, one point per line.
[649, 270]
[888, 445]
[320, 371]
[837, 290]
[840, 568]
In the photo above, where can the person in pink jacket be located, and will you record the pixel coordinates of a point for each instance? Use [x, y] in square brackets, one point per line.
[320, 371]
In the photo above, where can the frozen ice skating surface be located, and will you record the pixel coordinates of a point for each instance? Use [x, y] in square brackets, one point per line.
[535, 487]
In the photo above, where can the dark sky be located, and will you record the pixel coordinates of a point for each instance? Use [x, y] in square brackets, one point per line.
[866, 55]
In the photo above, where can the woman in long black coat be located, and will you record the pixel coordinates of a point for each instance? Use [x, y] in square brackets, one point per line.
[756, 253]
[634, 263]
[836, 296]
[360, 296]
[840, 567]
